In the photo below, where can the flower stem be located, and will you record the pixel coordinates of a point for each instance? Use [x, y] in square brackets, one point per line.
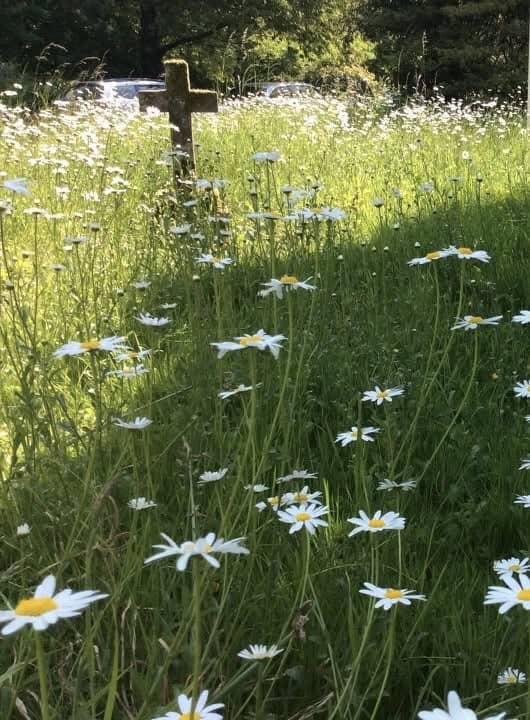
[43, 682]
[259, 692]
[527, 680]
[197, 650]
[305, 565]
[390, 646]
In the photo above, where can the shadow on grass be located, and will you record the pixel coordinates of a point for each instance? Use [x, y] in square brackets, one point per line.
[373, 320]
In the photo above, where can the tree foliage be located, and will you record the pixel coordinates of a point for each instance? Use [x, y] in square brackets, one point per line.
[221, 39]
[464, 45]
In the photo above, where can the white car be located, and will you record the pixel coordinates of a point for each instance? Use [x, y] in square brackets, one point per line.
[122, 91]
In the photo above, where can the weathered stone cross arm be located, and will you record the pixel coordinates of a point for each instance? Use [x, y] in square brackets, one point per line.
[180, 101]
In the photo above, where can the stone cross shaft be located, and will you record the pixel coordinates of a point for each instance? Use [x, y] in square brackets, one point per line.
[180, 101]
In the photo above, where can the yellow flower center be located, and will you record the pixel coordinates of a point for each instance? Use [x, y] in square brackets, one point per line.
[216, 259]
[288, 279]
[354, 434]
[514, 568]
[477, 319]
[433, 255]
[274, 500]
[300, 498]
[191, 716]
[511, 679]
[523, 595]
[376, 523]
[33, 607]
[208, 548]
[90, 345]
[302, 516]
[250, 339]
[392, 594]
[383, 393]
[464, 251]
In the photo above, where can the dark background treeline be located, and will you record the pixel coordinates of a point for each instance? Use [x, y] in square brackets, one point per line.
[466, 46]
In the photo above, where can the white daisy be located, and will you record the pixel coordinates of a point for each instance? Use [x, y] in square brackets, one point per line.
[127, 373]
[379, 522]
[345, 438]
[141, 284]
[393, 485]
[273, 502]
[205, 547]
[471, 322]
[465, 253]
[148, 319]
[180, 229]
[522, 389]
[428, 258]
[260, 652]
[523, 500]
[109, 344]
[272, 156]
[260, 340]
[332, 214]
[511, 566]
[17, 185]
[209, 476]
[387, 597]
[511, 676]
[301, 496]
[168, 306]
[217, 262]
[304, 516]
[516, 593]
[139, 423]
[225, 394]
[380, 396]
[455, 711]
[286, 282]
[263, 216]
[141, 503]
[256, 488]
[523, 318]
[45, 608]
[297, 475]
[132, 355]
[23, 529]
[201, 711]
[76, 240]
[426, 187]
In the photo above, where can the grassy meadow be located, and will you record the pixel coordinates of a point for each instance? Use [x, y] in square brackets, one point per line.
[96, 237]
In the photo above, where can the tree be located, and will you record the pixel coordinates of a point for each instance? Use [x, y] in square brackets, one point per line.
[220, 39]
[464, 45]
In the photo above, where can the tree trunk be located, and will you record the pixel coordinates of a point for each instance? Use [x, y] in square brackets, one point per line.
[149, 37]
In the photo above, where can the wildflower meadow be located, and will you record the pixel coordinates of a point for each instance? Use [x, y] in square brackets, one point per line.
[264, 433]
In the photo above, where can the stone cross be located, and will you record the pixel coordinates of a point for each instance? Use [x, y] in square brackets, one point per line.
[180, 101]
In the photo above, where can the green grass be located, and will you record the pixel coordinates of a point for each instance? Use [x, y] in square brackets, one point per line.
[458, 430]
